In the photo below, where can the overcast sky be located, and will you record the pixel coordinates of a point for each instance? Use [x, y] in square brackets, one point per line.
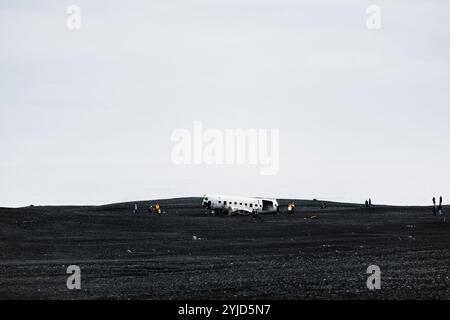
[86, 116]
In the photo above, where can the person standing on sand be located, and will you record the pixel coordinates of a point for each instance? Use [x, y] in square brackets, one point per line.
[370, 202]
[367, 204]
[434, 206]
[135, 208]
[440, 205]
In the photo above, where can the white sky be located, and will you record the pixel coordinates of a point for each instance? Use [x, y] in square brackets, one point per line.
[86, 116]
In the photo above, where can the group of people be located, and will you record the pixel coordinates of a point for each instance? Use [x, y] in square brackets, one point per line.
[439, 207]
[152, 209]
[368, 203]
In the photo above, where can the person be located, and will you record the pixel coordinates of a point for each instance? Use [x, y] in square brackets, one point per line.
[370, 202]
[440, 205]
[135, 208]
[434, 206]
[367, 204]
[291, 207]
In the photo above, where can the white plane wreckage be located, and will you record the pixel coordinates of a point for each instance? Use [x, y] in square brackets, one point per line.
[239, 205]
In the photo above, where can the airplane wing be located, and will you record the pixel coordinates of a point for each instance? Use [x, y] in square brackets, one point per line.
[238, 210]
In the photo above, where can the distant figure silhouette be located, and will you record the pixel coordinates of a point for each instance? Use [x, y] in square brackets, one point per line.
[291, 207]
[370, 202]
[434, 206]
[135, 208]
[440, 205]
[367, 204]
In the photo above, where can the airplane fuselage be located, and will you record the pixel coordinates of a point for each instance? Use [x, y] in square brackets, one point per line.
[232, 204]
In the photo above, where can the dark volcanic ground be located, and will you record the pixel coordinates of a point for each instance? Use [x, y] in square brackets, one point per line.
[127, 256]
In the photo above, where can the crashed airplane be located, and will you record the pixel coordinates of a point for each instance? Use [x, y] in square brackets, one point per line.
[239, 205]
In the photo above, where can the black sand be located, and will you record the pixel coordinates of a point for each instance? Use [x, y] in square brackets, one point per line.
[126, 256]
